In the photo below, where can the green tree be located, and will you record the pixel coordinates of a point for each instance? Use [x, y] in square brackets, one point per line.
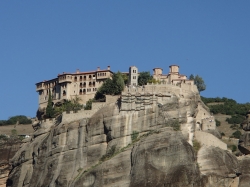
[118, 83]
[88, 105]
[191, 77]
[125, 78]
[21, 118]
[49, 108]
[111, 87]
[144, 77]
[199, 82]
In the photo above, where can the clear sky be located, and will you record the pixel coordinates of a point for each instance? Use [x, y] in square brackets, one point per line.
[39, 39]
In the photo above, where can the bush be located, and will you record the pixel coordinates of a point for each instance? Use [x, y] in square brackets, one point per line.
[196, 146]
[236, 134]
[110, 153]
[222, 134]
[88, 105]
[134, 136]
[233, 148]
[218, 123]
[236, 119]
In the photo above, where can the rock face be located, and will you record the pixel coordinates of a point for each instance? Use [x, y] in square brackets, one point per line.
[7, 151]
[142, 140]
[244, 142]
[245, 171]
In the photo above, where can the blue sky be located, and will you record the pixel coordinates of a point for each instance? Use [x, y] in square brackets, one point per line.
[39, 39]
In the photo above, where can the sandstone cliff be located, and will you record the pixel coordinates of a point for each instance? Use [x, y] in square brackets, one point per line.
[7, 151]
[140, 140]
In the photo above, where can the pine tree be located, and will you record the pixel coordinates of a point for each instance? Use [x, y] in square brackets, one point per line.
[49, 108]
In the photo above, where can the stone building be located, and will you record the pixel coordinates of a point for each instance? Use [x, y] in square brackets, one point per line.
[85, 84]
[68, 85]
[133, 76]
[173, 77]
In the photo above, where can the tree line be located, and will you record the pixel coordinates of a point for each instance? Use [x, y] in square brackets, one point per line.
[14, 119]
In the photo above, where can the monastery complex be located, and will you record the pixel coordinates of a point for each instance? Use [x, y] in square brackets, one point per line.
[85, 84]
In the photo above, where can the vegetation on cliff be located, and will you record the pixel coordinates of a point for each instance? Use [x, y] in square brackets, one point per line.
[199, 82]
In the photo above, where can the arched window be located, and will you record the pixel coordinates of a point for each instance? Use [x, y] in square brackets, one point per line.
[64, 92]
[75, 78]
[90, 76]
[80, 92]
[80, 78]
[84, 78]
[94, 84]
[84, 91]
[80, 85]
[90, 84]
[84, 84]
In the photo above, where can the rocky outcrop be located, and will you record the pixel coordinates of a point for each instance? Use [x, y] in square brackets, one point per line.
[244, 142]
[146, 142]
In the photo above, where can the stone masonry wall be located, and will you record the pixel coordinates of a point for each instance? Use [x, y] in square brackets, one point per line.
[209, 140]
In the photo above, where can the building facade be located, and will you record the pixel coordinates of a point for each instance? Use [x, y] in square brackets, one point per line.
[68, 85]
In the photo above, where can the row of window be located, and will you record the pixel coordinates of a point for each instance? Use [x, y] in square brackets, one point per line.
[84, 84]
[84, 77]
[83, 91]
[101, 74]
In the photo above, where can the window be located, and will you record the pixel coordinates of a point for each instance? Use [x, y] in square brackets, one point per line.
[75, 79]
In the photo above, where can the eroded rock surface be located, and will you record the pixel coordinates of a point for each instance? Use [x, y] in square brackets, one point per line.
[152, 137]
[7, 151]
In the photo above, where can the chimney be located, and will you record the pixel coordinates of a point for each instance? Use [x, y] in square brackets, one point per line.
[108, 67]
[98, 68]
[77, 71]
